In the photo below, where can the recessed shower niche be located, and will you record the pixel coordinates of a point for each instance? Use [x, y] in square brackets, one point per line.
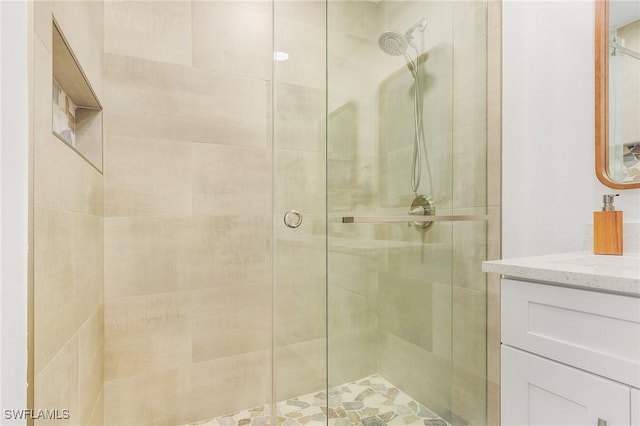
[76, 111]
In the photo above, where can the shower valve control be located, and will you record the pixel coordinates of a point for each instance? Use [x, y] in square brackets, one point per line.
[293, 219]
[422, 205]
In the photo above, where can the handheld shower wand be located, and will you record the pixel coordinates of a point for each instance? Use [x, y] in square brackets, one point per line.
[395, 43]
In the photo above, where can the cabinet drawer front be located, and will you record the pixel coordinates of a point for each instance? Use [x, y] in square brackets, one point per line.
[593, 331]
[539, 392]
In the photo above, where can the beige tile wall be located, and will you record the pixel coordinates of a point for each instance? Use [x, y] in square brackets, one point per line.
[187, 211]
[68, 232]
[352, 186]
[352, 311]
[188, 208]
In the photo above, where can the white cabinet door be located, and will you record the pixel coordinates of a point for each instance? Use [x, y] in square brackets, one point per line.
[635, 407]
[539, 392]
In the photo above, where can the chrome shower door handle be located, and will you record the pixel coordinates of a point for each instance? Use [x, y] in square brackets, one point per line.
[293, 219]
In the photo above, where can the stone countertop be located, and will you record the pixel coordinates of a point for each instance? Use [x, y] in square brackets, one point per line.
[612, 274]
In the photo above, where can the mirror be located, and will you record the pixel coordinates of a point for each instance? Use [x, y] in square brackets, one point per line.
[617, 74]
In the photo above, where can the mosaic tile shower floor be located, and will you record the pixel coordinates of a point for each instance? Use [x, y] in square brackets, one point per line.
[371, 401]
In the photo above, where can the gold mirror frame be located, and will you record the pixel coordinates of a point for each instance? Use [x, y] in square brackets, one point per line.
[602, 98]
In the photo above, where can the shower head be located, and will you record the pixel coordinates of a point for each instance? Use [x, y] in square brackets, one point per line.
[393, 43]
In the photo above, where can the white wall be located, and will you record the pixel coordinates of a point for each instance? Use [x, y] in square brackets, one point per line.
[13, 206]
[1, 405]
[549, 186]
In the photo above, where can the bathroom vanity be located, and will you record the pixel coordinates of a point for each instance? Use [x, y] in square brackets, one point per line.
[570, 339]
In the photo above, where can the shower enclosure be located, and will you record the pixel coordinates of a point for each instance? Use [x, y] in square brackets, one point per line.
[407, 304]
[288, 223]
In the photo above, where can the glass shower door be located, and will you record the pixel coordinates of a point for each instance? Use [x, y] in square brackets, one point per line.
[299, 224]
[406, 302]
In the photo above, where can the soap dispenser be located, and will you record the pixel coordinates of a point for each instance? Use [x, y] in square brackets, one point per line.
[607, 228]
